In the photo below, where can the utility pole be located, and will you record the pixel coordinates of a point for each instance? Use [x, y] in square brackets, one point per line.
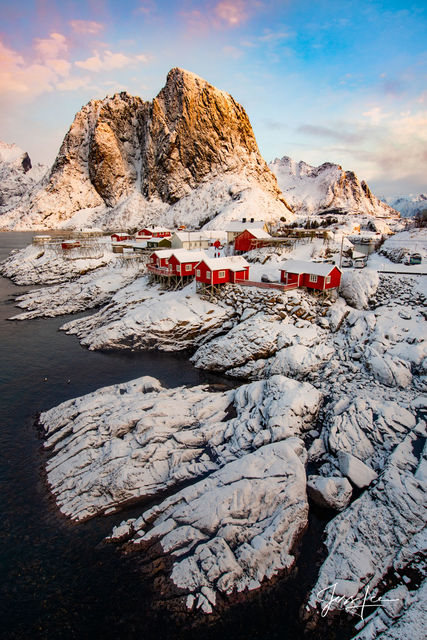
[342, 243]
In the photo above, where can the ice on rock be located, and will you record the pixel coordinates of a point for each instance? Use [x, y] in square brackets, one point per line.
[236, 528]
[129, 441]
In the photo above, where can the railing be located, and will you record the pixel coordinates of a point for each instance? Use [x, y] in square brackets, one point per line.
[160, 271]
[266, 285]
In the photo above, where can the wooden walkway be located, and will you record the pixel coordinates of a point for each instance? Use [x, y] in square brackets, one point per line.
[266, 285]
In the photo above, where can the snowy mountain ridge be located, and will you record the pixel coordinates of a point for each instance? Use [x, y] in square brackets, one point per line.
[326, 188]
[17, 175]
[408, 206]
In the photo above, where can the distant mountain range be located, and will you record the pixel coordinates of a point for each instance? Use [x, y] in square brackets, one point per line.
[17, 175]
[408, 206]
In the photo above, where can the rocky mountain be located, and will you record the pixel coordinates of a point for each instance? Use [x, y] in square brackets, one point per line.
[17, 175]
[326, 189]
[408, 206]
[185, 157]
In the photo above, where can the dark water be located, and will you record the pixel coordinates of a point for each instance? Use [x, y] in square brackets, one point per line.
[58, 580]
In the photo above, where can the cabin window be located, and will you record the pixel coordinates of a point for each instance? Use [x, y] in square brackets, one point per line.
[313, 278]
[328, 279]
[221, 274]
[198, 273]
[188, 267]
[208, 274]
[178, 268]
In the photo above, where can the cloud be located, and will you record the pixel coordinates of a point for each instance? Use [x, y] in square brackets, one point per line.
[72, 84]
[333, 134]
[16, 77]
[52, 47]
[232, 52]
[86, 27]
[232, 12]
[375, 115]
[107, 61]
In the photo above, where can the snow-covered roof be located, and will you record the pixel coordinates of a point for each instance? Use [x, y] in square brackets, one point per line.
[238, 225]
[156, 229]
[195, 235]
[233, 263]
[260, 234]
[301, 266]
[163, 253]
[182, 255]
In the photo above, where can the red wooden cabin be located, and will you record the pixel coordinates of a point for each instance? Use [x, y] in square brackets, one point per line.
[320, 276]
[154, 232]
[183, 263]
[251, 239]
[120, 236]
[70, 244]
[216, 271]
[160, 258]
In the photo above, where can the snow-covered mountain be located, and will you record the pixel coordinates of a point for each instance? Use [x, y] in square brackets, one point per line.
[327, 188]
[408, 206]
[17, 175]
[186, 157]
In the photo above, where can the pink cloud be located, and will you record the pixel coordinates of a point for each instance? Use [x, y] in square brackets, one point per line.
[86, 27]
[232, 12]
[108, 61]
[51, 47]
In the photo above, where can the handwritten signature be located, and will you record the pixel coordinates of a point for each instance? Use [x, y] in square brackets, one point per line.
[355, 605]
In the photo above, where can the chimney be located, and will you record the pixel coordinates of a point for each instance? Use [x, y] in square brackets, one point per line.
[243, 219]
[252, 219]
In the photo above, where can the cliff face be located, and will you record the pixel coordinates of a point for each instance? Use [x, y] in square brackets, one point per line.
[326, 188]
[127, 161]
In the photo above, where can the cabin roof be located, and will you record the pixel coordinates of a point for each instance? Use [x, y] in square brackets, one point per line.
[182, 255]
[238, 225]
[233, 263]
[315, 268]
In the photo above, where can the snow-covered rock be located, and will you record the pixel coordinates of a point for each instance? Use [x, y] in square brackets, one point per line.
[370, 537]
[90, 290]
[332, 493]
[234, 529]
[133, 440]
[357, 287]
[326, 189]
[355, 470]
[17, 176]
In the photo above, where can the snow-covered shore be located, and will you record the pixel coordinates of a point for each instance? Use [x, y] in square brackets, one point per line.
[335, 407]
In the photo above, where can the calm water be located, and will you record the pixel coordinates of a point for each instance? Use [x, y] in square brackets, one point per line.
[57, 578]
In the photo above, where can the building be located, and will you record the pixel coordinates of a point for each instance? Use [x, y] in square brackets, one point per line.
[183, 263]
[251, 239]
[154, 243]
[191, 240]
[235, 227]
[70, 244]
[120, 236]
[154, 232]
[160, 259]
[216, 271]
[320, 276]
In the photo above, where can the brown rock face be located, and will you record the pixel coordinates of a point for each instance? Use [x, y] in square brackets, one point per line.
[164, 149]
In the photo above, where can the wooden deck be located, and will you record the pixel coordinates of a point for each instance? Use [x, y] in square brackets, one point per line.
[267, 285]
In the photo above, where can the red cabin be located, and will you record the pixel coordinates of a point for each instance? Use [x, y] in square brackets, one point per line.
[251, 239]
[154, 232]
[70, 244]
[183, 263]
[160, 258]
[120, 236]
[320, 276]
[221, 270]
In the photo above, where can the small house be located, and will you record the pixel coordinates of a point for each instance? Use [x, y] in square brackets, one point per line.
[160, 259]
[154, 243]
[217, 271]
[154, 232]
[190, 240]
[183, 263]
[313, 275]
[251, 239]
[70, 244]
[235, 227]
[120, 236]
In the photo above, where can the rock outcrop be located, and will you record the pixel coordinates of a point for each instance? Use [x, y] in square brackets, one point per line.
[125, 161]
[17, 175]
[326, 189]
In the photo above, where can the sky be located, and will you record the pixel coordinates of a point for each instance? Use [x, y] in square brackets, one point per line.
[321, 80]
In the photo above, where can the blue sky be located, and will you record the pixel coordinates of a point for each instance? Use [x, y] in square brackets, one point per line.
[342, 82]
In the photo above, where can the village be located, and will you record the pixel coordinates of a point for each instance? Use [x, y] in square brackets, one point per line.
[214, 258]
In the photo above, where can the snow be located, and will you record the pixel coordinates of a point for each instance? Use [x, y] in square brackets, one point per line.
[333, 493]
